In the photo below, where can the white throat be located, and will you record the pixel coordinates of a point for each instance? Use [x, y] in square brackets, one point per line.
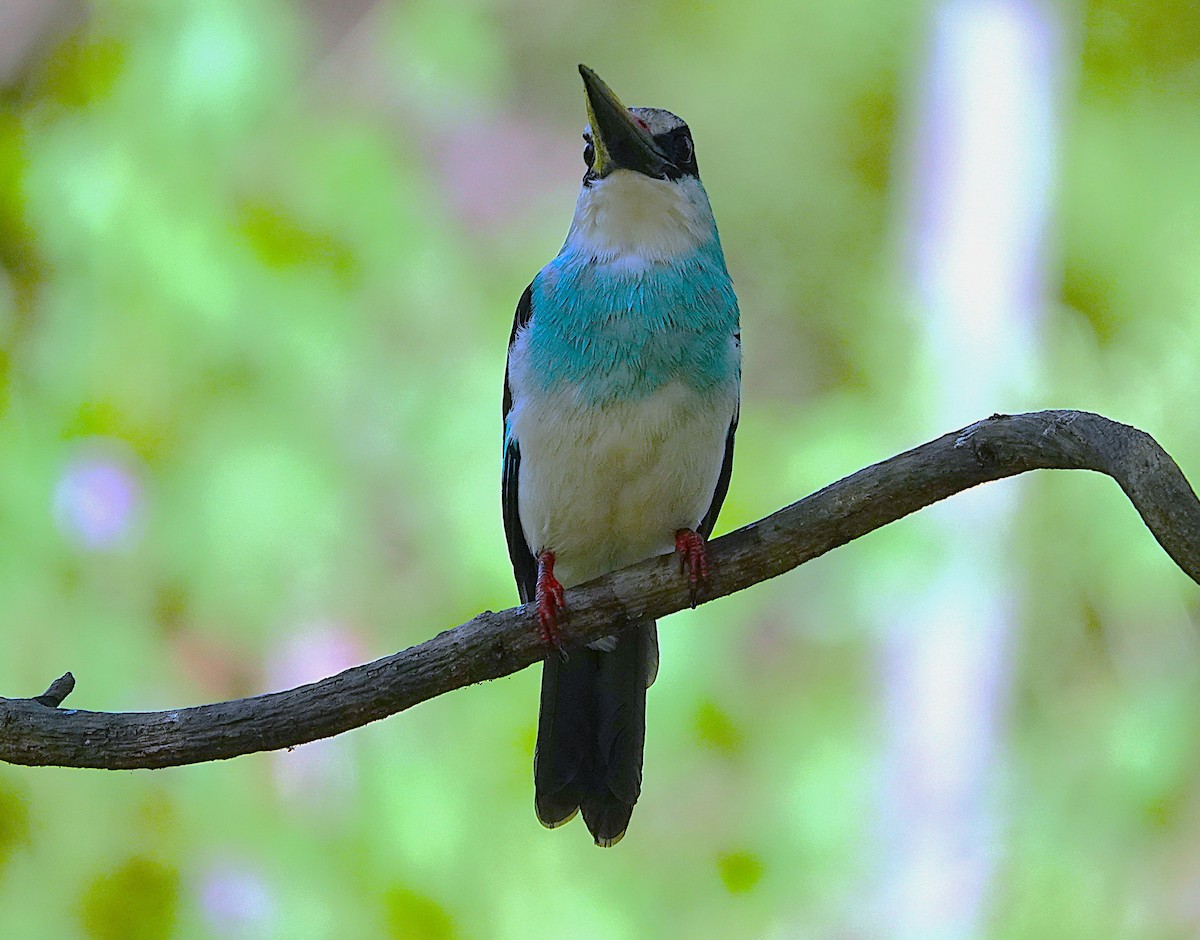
[628, 215]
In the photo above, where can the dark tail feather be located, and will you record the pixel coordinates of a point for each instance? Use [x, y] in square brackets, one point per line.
[591, 731]
[562, 761]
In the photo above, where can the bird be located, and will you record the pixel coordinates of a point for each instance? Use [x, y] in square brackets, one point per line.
[622, 391]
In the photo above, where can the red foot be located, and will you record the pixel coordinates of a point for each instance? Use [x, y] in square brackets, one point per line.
[693, 559]
[550, 600]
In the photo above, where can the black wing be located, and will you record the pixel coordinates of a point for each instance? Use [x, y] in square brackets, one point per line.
[723, 482]
[523, 562]
[710, 518]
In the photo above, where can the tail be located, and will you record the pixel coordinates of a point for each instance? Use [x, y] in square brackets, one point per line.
[591, 731]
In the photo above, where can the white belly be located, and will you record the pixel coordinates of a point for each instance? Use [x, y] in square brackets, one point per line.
[605, 487]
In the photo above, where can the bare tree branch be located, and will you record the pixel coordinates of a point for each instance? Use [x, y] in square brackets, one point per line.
[33, 731]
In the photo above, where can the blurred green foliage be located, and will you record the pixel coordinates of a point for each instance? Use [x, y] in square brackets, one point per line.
[138, 900]
[257, 268]
[14, 822]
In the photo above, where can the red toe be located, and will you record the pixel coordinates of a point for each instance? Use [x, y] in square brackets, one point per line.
[551, 600]
[693, 559]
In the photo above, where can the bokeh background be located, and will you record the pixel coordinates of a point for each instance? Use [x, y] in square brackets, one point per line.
[257, 268]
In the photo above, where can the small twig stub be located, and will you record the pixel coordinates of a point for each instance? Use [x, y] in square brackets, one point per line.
[59, 689]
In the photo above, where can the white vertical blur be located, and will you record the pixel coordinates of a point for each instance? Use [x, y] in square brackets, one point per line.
[984, 158]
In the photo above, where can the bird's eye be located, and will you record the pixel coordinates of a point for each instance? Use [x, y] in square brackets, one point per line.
[589, 154]
[683, 150]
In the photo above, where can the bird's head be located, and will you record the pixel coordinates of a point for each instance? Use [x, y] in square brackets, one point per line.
[641, 193]
[649, 141]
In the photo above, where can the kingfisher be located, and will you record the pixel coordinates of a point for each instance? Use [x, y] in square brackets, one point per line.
[621, 397]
